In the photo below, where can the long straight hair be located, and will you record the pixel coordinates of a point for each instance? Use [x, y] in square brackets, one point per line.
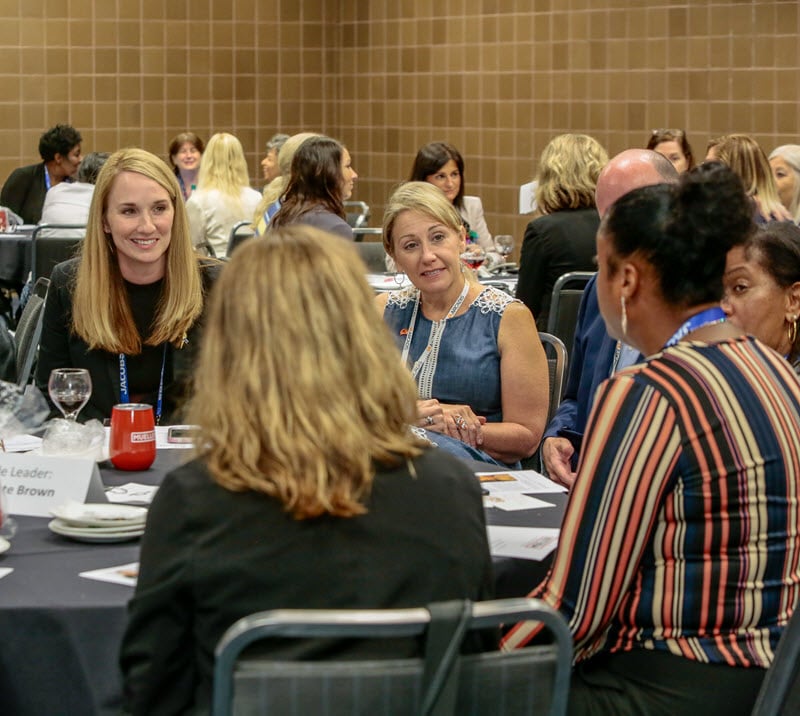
[299, 390]
[315, 180]
[224, 168]
[101, 314]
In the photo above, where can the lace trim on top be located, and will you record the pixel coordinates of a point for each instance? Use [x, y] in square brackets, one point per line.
[490, 299]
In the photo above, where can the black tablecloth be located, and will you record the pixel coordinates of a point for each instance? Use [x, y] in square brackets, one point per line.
[60, 633]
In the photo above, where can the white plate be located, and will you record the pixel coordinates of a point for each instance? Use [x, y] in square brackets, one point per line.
[100, 514]
[105, 530]
[92, 535]
[4, 545]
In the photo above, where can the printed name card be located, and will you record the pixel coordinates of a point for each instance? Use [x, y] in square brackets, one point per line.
[34, 484]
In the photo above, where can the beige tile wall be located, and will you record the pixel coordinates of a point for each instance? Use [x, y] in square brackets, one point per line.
[498, 79]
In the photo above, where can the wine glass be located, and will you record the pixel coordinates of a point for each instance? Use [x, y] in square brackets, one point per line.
[70, 389]
[504, 244]
[8, 527]
[473, 257]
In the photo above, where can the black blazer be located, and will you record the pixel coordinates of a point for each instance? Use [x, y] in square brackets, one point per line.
[61, 348]
[24, 192]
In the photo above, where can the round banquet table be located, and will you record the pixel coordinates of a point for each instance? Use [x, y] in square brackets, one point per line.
[60, 633]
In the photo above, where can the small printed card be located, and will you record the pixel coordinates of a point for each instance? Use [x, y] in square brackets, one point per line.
[132, 493]
[522, 542]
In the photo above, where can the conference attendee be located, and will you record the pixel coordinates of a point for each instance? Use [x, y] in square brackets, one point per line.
[595, 355]
[25, 189]
[223, 196]
[185, 154]
[474, 351]
[785, 164]
[562, 240]
[68, 202]
[129, 308]
[269, 164]
[309, 491]
[675, 578]
[672, 144]
[762, 287]
[745, 157]
[321, 180]
[271, 196]
[441, 164]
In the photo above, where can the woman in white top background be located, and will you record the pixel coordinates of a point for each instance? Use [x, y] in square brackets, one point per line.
[223, 196]
[441, 164]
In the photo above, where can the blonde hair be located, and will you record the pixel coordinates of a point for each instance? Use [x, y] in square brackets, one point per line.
[423, 197]
[790, 153]
[224, 168]
[101, 314]
[746, 158]
[568, 170]
[299, 386]
[277, 187]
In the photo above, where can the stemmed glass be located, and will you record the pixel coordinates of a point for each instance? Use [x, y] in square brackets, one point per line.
[504, 244]
[473, 257]
[70, 389]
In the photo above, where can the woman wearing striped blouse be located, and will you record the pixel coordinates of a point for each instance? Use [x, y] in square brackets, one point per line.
[679, 560]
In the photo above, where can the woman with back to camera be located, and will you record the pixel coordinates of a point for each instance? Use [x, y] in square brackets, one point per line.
[474, 351]
[672, 144]
[129, 308]
[271, 196]
[321, 180]
[762, 287]
[310, 491]
[563, 239]
[223, 196]
[441, 164]
[747, 159]
[185, 152]
[785, 164]
[675, 579]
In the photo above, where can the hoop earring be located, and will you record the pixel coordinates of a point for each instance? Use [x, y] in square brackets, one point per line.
[624, 320]
[792, 331]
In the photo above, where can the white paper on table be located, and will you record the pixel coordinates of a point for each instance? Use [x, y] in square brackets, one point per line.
[512, 501]
[125, 574]
[518, 481]
[522, 542]
[132, 492]
[5, 571]
[22, 443]
[527, 199]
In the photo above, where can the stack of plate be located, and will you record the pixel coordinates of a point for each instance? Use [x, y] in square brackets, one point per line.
[98, 522]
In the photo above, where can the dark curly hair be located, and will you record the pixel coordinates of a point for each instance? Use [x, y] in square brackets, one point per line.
[58, 140]
[684, 230]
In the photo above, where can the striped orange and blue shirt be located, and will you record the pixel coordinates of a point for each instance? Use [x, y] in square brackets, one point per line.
[682, 531]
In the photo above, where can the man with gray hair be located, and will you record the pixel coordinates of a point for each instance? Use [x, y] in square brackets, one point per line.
[595, 355]
[269, 164]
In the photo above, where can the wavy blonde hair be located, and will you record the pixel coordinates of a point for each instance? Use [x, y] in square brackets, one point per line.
[277, 187]
[747, 159]
[298, 388]
[101, 314]
[568, 170]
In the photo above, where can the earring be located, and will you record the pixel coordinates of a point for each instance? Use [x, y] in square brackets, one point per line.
[624, 320]
[792, 330]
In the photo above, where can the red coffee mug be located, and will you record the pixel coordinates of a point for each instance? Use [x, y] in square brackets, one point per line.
[133, 436]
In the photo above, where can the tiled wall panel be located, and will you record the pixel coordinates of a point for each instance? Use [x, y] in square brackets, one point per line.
[498, 79]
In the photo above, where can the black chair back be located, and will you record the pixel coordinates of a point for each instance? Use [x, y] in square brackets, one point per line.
[357, 213]
[373, 255]
[780, 691]
[564, 305]
[29, 331]
[534, 680]
[239, 233]
[52, 244]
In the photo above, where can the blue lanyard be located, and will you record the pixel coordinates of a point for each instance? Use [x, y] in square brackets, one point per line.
[705, 318]
[124, 393]
[46, 179]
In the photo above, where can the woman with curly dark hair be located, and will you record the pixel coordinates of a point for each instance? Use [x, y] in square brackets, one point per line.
[677, 564]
